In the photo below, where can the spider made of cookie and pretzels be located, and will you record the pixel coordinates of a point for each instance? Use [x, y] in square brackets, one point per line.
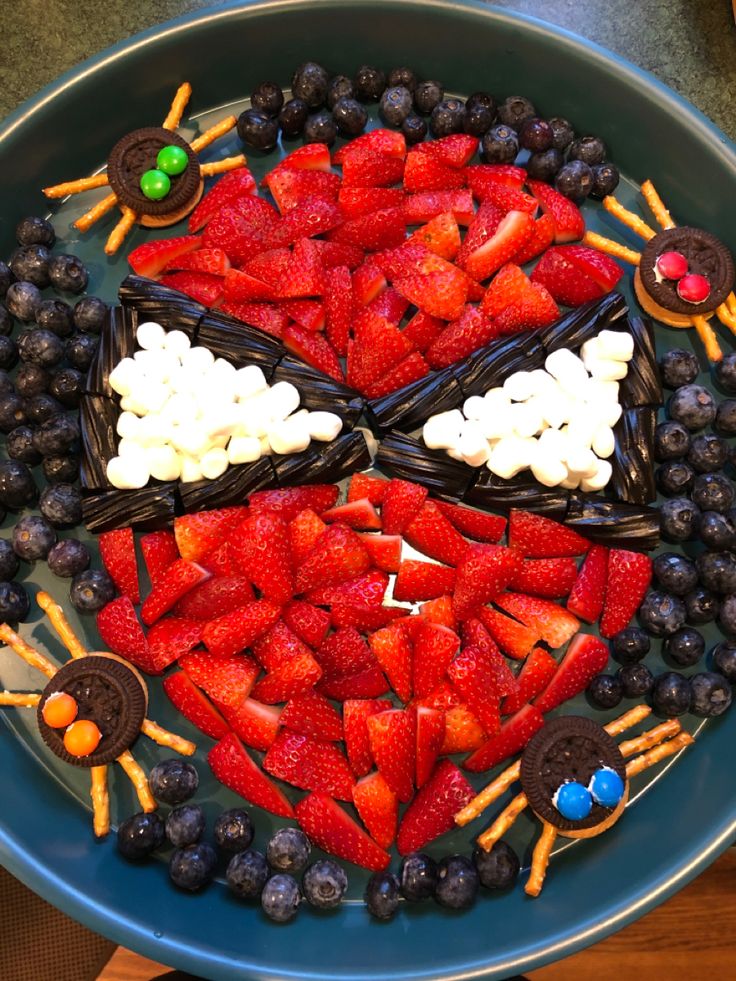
[575, 779]
[91, 711]
[154, 175]
[684, 275]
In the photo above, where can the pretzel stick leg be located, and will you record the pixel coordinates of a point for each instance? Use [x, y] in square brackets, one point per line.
[652, 737]
[503, 822]
[61, 625]
[607, 245]
[213, 133]
[165, 738]
[222, 166]
[94, 214]
[76, 187]
[707, 336]
[19, 699]
[100, 801]
[726, 317]
[656, 205]
[632, 221]
[628, 720]
[731, 303]
[29, 654]
[138, 778]
[540, 860]
[178, 105]
[658, 753]
[117, 235]
[487, 796]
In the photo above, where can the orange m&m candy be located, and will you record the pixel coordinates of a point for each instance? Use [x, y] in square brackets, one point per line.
[82, 738]
[59, 710]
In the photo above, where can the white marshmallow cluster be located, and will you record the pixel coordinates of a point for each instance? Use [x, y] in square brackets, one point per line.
[187, 415]
[556, 421]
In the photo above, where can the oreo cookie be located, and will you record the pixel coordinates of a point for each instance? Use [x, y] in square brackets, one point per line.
[564, 749]
[705, 255]
[110, 694]
[136, 153]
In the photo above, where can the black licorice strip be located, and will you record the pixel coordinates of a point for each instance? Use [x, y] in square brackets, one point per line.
[490, 366]
[633, 457]
[577, 326]
[147, 509]
[320, 392]
[409, 407]
[409, 459]
[493, 493]
[117, 341]
[642, 384]
[615, 524]
[231, 488]
[323, 463]
[98, 417]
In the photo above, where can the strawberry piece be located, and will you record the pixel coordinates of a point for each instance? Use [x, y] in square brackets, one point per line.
[463, 732]
[159, 551]
[365, 485]
[366, 590]
[233, 766]
[482, 574]
[117, 551]
[503, 679]
[193, 705]
[196, 534]
[330, 828]
[287, 679]
[314, 349]
[356, 201]
[228, 189]
[309, 765]
[392, 737]
[440, 235]
[504, 197]
[338, 300]
[536, 673]
[629, 576]
[151, 257]
[434, 648]
[344, 652]
[423, 329]
[308, 622]
[240, 228]
[337, 556]
[541, 239]
[311, 156]
[261, 548]
[121, 633]
[360, 515]
[384, 551]
[506, 288]
[304, 530]
[480, 525]
[355, 713]
[425, 172]
[420, 208]
[369, 169]
[278, 646]
[586, 596]
[214, 598]
[550, 578]
[568, 219]
[304, 273]
[481, 175]
[170, 639]
[363, 617]
[313, 216]
[537, 537]
[368, 282]
[388, 142]
[378, 347]
[381, 229]
[235, 631]
[475, 683]
[430, 728]
[535, 308]
[432, 812]
[482, 228]
[227, 680]
[601, 268]
[431, 533]
[241, 287]
[514, 639]
[369, 683]
[290, 186]
[566, 282]
[266, 317]
[442, 293]
[212, 261]
[393, 651]
[455, 150]
[268, 267]
[586, 657]
[378, 807]
[336, 254]
[253, 722]
[220, 561]
[513, 231]
[439, 611]
[289, 501]
[178, 579]
[411, 369]
[510, 739]
[199, 286]
[459, 339]
[312, 715]
[422, 581]
[389, 304]
[554, 624]
[402, 502]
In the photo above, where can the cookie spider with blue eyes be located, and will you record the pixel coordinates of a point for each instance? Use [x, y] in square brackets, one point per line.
[575, 779]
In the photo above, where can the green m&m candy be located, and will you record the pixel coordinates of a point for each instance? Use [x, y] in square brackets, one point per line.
[155, 184]
[172, 160]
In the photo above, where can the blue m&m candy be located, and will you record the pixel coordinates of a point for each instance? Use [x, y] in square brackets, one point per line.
[573, 801]
[606, 787]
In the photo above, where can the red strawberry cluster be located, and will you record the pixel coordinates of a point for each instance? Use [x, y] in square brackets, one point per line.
[333, 272]
[275, 615]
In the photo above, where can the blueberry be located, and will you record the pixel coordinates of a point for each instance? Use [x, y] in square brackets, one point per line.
[67, 558]
[140, 835]
[711, 694]
[257, 129]
[13, 412]
[590, 149]
[630, 645]
[713, 492]
[679, 367]
[8, 353]
[427, 95]
[173, 781]
[535, 135]
[500, 145]
[693, 406]
[562, 133]
[725, 421]
[35, 231]
[56, 316]
[382, 895]
[31, 263]
[414, 129]
[717, 531]
[42, 408]
[193, 867]
[324, 884]
[707, 453]
[725, 373]
[350, 116]
[605, 691]
[515, 110]
[723, 657]
[574, 180]
[369, 83]
[671, 441]
[417, 877]
[674, 478]
[661, 614]
[293, 117]
[268, 98]
[320, 128]
[484, 99]
[9, 561]
[396, 104]
[33, 537]
[61, 469]
[701, 606]
[23, 300]
[6, 278]
[671, 694]
[90, 314]
[544, 166]
[280, 898]
[91, 590]
[403, 76]
[717, 571]
[288, 850]
[68, 273]
[17, 487]
[447, 117]
[6, 321]
[61, 505]
[339, 87]
[675, 573]
[606, 179]
[679, 518]
[727, 615]
[457, 882]
[247, 873]
[234, 830]
[309, 83]
[81, 349]
[498, 868]
[57, 435]
[31, 380]
[685, 647]
[185, 825]
[636, 680]
[41, 347]
[14, 602]
[477, 120]
[67, 386]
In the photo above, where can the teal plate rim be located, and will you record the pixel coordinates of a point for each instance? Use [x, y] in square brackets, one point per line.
[111, 912]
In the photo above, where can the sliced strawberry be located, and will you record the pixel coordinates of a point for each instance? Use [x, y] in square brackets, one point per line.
[121, 633]
[392, 736]
[601, 268]
[308, 622]
[360, 515]
[629, 576]
[369, 169]
[151, 257]
[507, 174]
[511, 738]
[237, 630]
[314, 349]
[288, 679]
[117, 551]
[241, 287]
[289, 501]
[201, 287]
[378, 807]
[484, 225]
[393, 651]
[304, 530]
[534, 308]
[588, 590]
[463, 732]
[357, 201]
[565, 281]
[233, 766]
[513, 231]
[212, 261]
[330, 828]
[455, 150]
[442, 293]
[434, 648]
[440, 235]
[474, 682]
[369, 683]
[537, 537]
[304, 273]
[239, 229]
[389, 304]
[459, 339]
[363, 617]
[439, 610]
[159, 551]
[290, 186]
[170, 639]
[368, 282]
[214, 598]
[265, 316]
[432, 812]
[253, 722]
[277, 646]
[389, 142]
[423, 329]
[430, 729]
[367, 589]
[431, 533]
[312, 216]
[337, 556]
[382, 229]
[220, 561]
[192, 704]
[419, 208]
[422, 581]
[228, 189]
[504, 197]
[402, 502]
[479, 525]
[364, 485]
[551, 578]
[586, 657]
[312, 715]
[425, 172]
[384, 550]
[196, 534]
[555, 624]
[481, 575]
[568, 219]
[311, 156]
[514, 639]
[411, 369]
[227, 680]
[355, 713]
[178, 579]
[542, 237]
[377, 348]
[309, 764]
[344, 652]
[536, 673]
[336, 254]
[261, 548]
[505, 289]
[268, 267]
[309, 314]
[502, 677]
[338, 300]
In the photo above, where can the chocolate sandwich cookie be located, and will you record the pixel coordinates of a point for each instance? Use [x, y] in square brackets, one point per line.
[705, 254]
[109, 693]
[567, 749]
[134, 155]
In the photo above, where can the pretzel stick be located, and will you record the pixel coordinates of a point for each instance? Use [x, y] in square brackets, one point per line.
[731, 303]
[540, 860]
[503, 822]
[94, 214]
[632, 221]
[29, 654]
[650, 738]
[165, 738]
[139, 780]
[61, 625]
[628, 720]
[596, 241]
[222, 166]
[726, 317]
[213, 133]
[100, 801]
[179, 104]
[117, 235]
[656, 205]
[707, 336]
[487, 796]
[657, 754]
[76, 187]
[19, 699]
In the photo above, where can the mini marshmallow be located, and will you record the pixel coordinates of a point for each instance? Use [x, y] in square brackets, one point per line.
[370, 440]
[185, 380]
[607, 370]
[474, 407]
[179, 410]
[265, 446]
[128, 425]
[555, 405]
[127, 447]
[581, 429]
[281, 400]
[154, 431]
[243, 449]
[548, 469]
[456, 455]
[604, 442]
[581, 461]
[590, 351]
[555, 442]
[128, 473]
[567, 368]
[191, 471]
[598, 480]
[615, 345]
[124, 376]
[198, 359]
[511, 455]
[288, 436]
[221, 423]
[442, 431]
[473, 446]
[156, 365]
[177, 342]
[519, 386]
[497, 420]
[611, 415]
[149, 396]
[526, 419]
[150, 336]
[249, 381]
[497, 400]
[214, 463]
[191, 439]
[164, 462]
[542, 381]
[572, 482]
[253, 419]
[323, 426]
